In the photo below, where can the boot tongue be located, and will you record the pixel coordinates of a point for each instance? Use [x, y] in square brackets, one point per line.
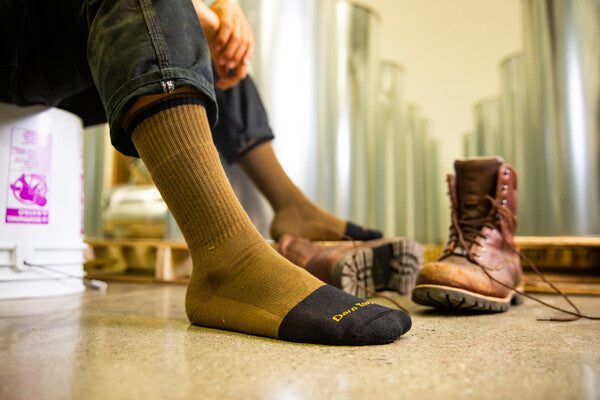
[475, 179]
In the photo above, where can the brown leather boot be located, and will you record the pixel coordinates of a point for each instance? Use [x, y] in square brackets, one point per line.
[359, 269]
[481, 245]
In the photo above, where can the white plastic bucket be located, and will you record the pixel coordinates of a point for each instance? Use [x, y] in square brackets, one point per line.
[41, 202]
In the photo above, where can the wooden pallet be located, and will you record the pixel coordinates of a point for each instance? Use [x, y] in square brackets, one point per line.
[549, 252]
[138, 260]
[571, 263]
[580, 284]
[562, 252]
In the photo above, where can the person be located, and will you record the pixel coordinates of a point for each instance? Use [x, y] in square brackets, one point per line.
[242, 135]
[145, 67]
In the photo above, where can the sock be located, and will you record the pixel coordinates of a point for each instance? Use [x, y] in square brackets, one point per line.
[295, 214]
[357, 232]
[238, 281]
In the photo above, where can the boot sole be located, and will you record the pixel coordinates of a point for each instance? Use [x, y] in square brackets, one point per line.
[455, 299]
[393, 265]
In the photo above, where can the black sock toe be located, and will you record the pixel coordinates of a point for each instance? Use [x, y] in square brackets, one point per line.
[357, 232]
[330, 316]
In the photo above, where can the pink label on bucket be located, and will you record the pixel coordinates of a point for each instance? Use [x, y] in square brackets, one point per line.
[25, 216]
[28, 172]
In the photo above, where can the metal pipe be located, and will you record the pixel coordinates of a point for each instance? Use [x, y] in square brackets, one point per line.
[419, 130]
[469, 145]
[513, 98]
[562, 59]
[487, 127]
[433, 198]
[388, 162]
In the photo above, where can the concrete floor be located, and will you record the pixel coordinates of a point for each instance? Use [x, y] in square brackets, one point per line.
[135, 342]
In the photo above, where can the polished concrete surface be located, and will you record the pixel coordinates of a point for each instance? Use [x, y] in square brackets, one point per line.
[134, 342]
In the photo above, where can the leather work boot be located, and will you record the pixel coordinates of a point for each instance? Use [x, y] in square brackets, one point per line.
[480, 252]
[361, 268]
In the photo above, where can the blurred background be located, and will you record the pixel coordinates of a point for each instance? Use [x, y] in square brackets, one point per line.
[372, 102]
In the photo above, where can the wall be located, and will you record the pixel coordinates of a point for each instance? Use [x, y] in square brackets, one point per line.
[451, 50]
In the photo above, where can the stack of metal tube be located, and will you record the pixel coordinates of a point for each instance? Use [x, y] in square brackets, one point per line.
[316, 67]
[407, 194]
[343, 132]
[549, 127]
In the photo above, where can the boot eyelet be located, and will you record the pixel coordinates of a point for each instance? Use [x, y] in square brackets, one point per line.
[504, 201]
[504, 187]
[506, 172]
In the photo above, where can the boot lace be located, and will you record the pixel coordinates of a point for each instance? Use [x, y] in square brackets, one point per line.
[465, 232]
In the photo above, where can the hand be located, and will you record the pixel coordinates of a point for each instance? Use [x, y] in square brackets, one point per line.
[228, 78]
[230, 39]
[235, 40]
[234, 43]
[210, 25]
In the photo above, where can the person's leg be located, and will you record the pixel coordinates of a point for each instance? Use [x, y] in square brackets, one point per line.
[242, 135]
[295, 214]
[238, 281]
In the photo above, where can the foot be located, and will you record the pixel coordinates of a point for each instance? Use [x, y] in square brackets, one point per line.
[311, 222]
[252, 289]
[238, 281]
[361, 269]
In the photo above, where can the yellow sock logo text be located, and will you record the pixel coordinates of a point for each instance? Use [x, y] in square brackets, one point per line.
[338, 317]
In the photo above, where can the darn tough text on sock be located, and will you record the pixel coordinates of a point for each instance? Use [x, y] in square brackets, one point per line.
[358, 306]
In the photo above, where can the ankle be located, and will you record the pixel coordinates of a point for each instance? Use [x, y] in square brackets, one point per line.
[234, 248]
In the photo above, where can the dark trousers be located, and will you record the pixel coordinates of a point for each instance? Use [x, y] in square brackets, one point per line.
[95, 57]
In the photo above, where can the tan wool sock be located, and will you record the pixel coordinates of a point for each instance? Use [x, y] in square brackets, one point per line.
[295, 214]
[238, 281]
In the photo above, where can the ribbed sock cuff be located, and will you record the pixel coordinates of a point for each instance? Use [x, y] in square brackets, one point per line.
[177, 99]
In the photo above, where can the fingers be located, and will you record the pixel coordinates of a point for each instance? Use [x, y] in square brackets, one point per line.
[228, 78]
[240, 52]
[249, 53]
[235, 44]
[235, 40]
[225, 31]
